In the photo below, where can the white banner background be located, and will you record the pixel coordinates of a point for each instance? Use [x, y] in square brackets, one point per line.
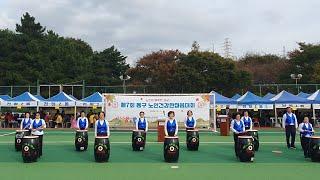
[126, 107]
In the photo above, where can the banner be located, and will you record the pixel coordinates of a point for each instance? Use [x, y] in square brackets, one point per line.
[296, 106]
[57, 104]
[124, 108]
[255, 106]
[19, 103]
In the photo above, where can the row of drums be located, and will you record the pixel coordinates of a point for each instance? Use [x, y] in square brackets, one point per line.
[170, 147]
[28, 145]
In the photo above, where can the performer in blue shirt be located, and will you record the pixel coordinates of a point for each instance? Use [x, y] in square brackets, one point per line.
[26, 121]
[290, 123]
[142, 122]
[82, 122]
[37, 126]
[190, 123]
[306, 131]
[247, 121]
[171, 125]
[237, 127]
[102, 126]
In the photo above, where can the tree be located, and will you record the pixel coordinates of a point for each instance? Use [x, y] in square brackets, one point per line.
[108, 66]
[29, 27]
[263, 68]
[158, 66]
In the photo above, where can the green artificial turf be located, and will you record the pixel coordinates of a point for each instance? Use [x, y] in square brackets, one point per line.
[214, 160]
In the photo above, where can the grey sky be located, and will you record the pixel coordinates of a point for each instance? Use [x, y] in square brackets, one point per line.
[137, 27]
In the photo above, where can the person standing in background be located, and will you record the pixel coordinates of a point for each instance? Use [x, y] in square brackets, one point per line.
[247, 121]
[290, 123]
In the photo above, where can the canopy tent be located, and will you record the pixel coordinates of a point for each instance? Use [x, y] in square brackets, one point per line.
[236, 96]
[315, 100]
[40, 97]
[222, 102]
[59, 100]
[74, 98]
[285, 99]
[25, 99]
[268, 96]
[252, 101]
[94, 100]
[303, 95]
[5, 97]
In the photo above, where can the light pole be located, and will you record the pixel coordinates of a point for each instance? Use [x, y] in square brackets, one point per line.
[296, 77]
[124, 78]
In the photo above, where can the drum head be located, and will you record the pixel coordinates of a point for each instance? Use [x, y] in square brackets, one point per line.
[193, 130]
[315, 137]
[82, 130]
[30, 137]
[102, 137]
[22, 130]
[254, 130]
[245, 137]
[171, 137]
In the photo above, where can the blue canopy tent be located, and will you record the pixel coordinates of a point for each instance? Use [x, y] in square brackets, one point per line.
[315, 101]
[59, 100]
[40, 97]
[94, 100]
[236, 96]
[222, 100]
[303, 95]
[268, 96]
[5, 97]
[74, 98]
[285, 99]
[252, 101]
[25, 99]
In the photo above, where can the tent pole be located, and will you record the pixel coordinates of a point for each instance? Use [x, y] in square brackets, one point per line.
[214, 114]
[314, 115]
[275, 114]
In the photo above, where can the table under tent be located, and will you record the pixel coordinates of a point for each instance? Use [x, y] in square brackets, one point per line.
[256, 106]
[301, 106]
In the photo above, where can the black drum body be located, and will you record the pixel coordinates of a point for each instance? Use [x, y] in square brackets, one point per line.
[30, 148]
[245, 148]
[171, 149]
[138, 140]
[101, 149]
[19, 137]
[192, 140]
[81, 140]
[314, 148]
[255, 136]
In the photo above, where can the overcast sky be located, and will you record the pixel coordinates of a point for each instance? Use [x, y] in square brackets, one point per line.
[137, 27]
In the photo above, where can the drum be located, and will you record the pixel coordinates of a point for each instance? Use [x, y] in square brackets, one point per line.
[314, 148]
[81, 140]
[30, 148]
[19, 136]
[255, 136]
[192, 140]
[245, 148]
[171, 149]
[101, 148]
[138, 140]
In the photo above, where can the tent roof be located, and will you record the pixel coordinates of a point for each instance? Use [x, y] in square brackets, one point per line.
[315, 97]
[40, 97]
[5, 97]
[61, 97]
[268, 96]
[250, 98]
[221, 99]
[286, 97]
[26, 96]
[95, 97]
[303, 95]
[74, 98]
[236, 96]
